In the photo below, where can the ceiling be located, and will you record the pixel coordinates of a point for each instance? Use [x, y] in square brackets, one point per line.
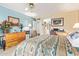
[43, 10]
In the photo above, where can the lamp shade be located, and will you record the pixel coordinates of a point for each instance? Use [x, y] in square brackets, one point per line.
[25, 29]
[29, 25]
[76, 26]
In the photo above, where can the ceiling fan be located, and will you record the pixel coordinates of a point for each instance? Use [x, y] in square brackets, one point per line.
[29, 10]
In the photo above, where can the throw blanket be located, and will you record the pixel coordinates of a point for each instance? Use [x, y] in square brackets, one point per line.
[46, 45]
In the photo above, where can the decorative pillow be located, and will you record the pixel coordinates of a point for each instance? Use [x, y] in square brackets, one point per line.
[74, 35]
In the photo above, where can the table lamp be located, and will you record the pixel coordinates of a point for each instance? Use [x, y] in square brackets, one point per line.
[25, 29]
[76, 26]
[29, 25]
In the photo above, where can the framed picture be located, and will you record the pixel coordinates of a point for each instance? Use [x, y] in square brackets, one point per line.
[57, 21]
[14, 21]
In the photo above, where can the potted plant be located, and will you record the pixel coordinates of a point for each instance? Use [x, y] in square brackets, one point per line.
[5, 26]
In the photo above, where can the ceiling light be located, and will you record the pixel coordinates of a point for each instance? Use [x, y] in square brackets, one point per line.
[31, 5]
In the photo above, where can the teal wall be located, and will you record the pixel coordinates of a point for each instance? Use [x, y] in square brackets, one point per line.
[5, 12]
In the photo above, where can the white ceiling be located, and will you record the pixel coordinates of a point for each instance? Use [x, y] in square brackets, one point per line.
[43, 10]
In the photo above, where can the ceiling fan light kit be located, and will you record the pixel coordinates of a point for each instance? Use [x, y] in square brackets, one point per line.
[30, 11]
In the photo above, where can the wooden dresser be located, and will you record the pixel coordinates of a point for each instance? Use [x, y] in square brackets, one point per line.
[13, 39]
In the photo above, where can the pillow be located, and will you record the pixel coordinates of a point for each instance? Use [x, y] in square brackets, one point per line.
[74, 35]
